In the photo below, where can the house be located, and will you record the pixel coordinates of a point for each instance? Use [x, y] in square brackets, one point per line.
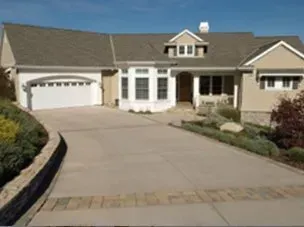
[55, 68]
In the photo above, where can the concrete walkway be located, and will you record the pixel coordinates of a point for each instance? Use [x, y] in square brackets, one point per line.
[125, 169]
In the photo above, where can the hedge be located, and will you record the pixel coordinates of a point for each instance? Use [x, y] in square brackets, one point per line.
[296, 154]
[28, 141]
[257, 145]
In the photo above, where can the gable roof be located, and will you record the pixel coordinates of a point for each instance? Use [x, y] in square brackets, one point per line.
[265, 49]
[186, 31]
[41, 46]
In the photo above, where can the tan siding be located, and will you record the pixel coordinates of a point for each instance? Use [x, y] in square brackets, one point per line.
[200, 51]
[110, 86]
[7, 57]
[280, 57]
[171, 51]
[256, 99]
[185, 39]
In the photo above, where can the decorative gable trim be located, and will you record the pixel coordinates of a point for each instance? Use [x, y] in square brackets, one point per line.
[182, 33]
[281, 43]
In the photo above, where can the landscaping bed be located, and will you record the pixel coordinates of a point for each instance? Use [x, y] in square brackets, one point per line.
[259, 139]
[21, 139]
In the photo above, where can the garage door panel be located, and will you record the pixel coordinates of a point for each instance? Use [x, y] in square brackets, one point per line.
[58, 94]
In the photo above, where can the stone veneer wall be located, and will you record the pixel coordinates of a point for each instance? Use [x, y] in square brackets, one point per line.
[19, 193]
[261, 118]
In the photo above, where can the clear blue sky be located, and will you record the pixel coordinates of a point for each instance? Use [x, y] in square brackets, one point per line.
[263, 17]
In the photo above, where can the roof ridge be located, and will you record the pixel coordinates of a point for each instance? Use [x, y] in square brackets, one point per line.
[53, 28]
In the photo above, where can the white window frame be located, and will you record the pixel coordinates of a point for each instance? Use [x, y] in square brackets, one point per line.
[162, 71]
[142, 71]
[124, 71]
[141, 99]
[122, 88]
[211, 84]
[278, 83]
[185, 45]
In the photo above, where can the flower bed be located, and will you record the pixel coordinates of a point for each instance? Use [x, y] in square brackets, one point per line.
[254, 138]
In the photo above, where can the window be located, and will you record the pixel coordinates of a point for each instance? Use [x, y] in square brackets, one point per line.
[74, 83]
[80, 83]
[186, 50]
[189, 50]
[181, 50]
[278, 82]
[124, 87]
[142, 71]
[205, 85]
[33, 85]
[216, 87]
[50, 84]
[88, 83]
[270, 82]
[58, 84]
[162, 71]
[211, 85]
[66, 84]
[162, 88]
[286, 82]
[142, 88]
[42, 85]
[124, 71]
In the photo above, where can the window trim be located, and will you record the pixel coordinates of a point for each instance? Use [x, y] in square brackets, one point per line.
[210, 93]
[278, 83]
[146, 71]
[185, 45]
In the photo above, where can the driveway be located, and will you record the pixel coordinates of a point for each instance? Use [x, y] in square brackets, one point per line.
[112, 153]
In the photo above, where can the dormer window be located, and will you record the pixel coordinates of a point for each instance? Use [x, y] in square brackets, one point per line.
[186, 50]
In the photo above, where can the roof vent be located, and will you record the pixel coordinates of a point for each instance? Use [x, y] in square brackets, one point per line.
[204, 27]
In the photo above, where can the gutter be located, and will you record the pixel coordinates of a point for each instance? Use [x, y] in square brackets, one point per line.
[145, 62]
[63, 67]
[212, 68]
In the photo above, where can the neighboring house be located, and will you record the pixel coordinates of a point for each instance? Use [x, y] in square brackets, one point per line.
[55, 68]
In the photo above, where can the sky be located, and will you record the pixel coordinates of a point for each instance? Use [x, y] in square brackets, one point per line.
[263, 17]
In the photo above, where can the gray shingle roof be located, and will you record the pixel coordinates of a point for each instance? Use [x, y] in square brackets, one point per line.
[33, 45]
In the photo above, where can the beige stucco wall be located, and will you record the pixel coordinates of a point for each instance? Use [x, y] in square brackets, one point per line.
[256, 99]
[261, 100]
[7, 57]
[280, 57]
[110, 86]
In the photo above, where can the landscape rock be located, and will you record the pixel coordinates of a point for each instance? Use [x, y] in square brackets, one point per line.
[231, 127]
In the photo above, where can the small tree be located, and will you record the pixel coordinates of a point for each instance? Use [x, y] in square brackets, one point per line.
[289, 119]
[7, 90]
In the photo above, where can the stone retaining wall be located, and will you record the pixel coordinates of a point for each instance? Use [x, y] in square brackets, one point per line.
[19, 192]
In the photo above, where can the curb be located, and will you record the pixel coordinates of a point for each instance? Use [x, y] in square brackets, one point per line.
[18, 195]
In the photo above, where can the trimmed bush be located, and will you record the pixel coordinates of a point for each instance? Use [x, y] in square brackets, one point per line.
[229, 113]
[17, 153]
[289, 119]
[8, 130]
[296, 154]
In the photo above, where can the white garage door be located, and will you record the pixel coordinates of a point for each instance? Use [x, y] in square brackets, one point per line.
[58, 94]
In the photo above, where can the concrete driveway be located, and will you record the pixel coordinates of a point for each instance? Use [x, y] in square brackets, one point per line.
[112, 153]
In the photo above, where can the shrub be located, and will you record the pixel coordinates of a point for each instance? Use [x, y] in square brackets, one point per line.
[29, 139]
[229, 113]
[289, 119]
[296, 154]
[8, 130]
[7, 89]
[214, 120]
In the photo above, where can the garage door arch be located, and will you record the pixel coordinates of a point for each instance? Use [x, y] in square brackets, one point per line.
[57, 91]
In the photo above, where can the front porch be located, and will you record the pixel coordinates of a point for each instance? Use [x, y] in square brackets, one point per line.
[205, 88]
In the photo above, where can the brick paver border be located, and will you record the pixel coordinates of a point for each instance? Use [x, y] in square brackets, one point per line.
[173, 197]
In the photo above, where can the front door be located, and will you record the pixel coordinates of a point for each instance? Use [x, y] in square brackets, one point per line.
[185, 87]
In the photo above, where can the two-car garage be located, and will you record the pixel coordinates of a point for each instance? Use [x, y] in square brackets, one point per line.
[60, 90]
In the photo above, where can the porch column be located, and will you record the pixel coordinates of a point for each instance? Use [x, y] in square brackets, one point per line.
[235, 91]
[196, 93]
